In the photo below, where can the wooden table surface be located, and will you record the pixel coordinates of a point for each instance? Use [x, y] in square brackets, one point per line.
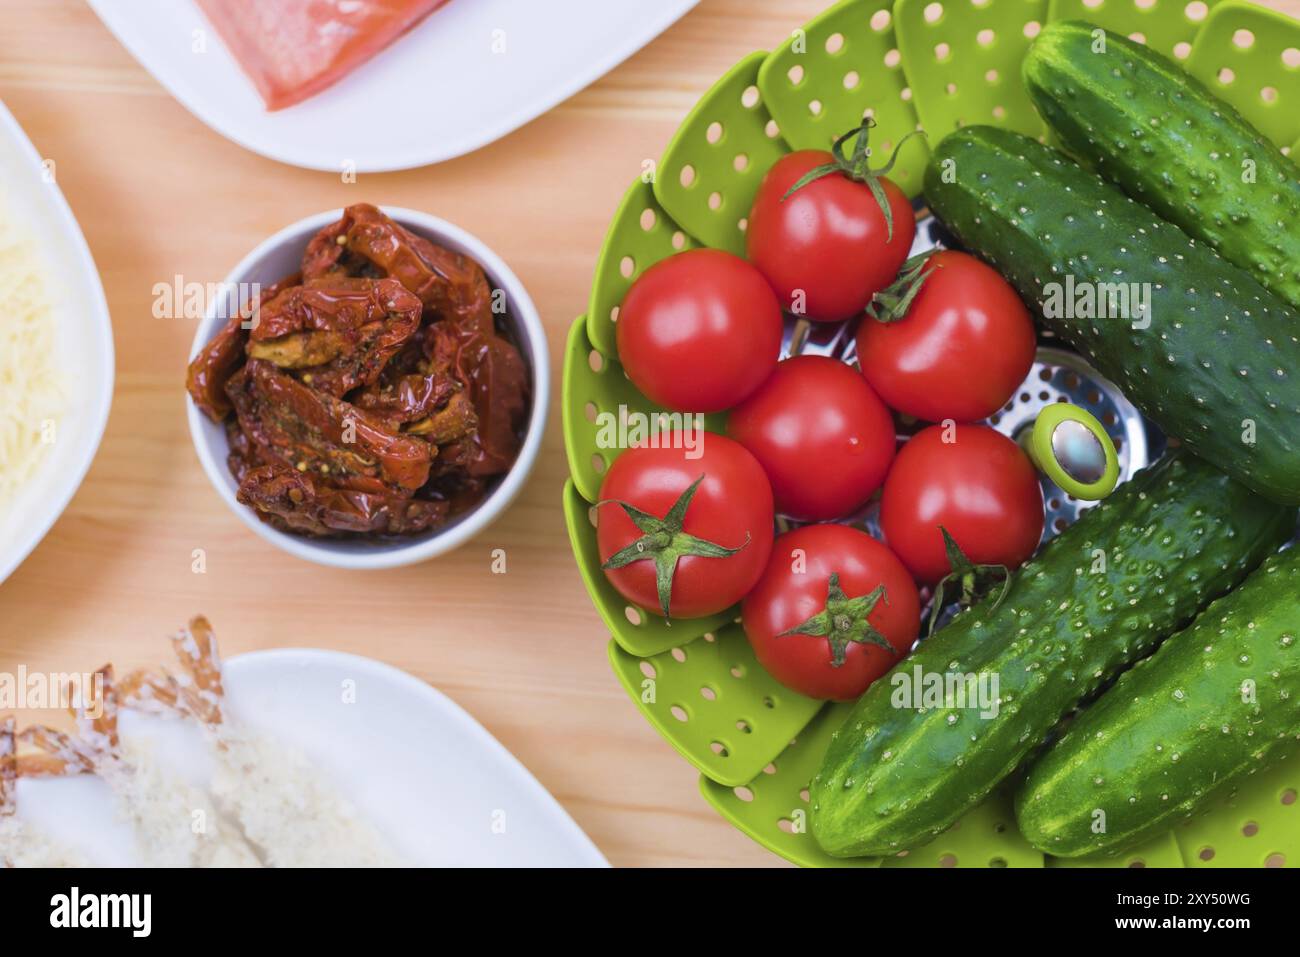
[159, 194]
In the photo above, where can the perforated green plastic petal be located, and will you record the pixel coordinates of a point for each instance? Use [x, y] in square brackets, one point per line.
[640, 235]
[1166, 26]
[773, 810]
[946, 63]
[715, 703]
[1251, 57]
[773, 807]
[1260, 827]
[984, 837]
[1160, 852]
[710, 171]
[592, 384]
[838, 69]
[962, 62]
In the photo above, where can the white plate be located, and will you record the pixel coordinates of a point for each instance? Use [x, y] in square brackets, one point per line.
[85, 337]
[435, 783]
[438, 92]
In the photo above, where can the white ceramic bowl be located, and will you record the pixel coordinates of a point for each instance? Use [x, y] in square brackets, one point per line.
[281, 255]
[85, 342]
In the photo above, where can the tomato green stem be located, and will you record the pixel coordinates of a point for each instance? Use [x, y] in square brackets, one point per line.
[844, 620]
[972, 579]
[857, 167]
[664, 542]
[892, 302]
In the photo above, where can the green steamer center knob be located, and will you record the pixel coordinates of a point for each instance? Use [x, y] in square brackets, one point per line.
[1074, 451]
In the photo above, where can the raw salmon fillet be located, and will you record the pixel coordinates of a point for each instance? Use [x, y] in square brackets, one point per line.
[293, 49]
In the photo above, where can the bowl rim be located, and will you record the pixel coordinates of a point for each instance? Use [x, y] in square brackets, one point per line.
[440, 541]
[99, 325]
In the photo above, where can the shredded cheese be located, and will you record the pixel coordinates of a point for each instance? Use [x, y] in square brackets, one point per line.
[31, 394]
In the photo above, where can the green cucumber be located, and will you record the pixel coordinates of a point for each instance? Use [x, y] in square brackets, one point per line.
[1099, 596]
[1214, 359]
[1180, 730]
[1145, 123]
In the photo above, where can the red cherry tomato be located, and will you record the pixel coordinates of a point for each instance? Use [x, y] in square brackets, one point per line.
[724, 538]
[699, 331]
[796, 592]
[821, 434]
[964, 346]
[980, 486]
[824, 248]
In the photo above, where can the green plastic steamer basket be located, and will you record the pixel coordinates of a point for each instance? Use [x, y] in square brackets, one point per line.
[936, 65]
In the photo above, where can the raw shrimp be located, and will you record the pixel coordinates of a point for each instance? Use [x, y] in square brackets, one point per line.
[265, 805]
[285, 807]
[21, 844]
[174, 822]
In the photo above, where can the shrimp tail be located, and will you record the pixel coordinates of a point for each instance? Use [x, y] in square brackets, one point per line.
[200, 685]
[8, 765]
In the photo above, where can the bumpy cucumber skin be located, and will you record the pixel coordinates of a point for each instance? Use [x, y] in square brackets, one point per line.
[1177, 535]
[1177, 731]
[1218, 365]
[1149, 126]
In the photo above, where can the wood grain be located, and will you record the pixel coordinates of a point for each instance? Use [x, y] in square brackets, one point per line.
[159, 194]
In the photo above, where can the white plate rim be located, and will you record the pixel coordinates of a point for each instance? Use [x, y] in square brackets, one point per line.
[16, 553]
[439, 149]
[291, 658]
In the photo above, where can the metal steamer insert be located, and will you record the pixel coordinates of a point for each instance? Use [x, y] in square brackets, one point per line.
[1059, 375]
